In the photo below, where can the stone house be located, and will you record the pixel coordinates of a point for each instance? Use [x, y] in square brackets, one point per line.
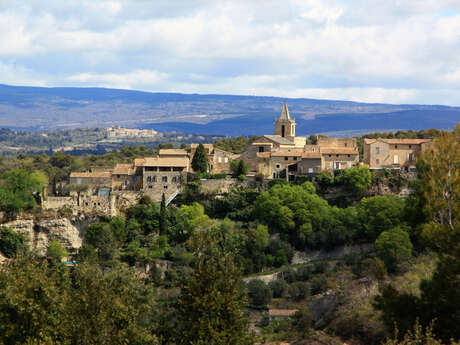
[163, 175]
[218, 160]
[98, 182]
[124, 177]
[393, 153]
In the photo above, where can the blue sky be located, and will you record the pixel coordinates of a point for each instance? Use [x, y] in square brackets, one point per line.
[395, 51]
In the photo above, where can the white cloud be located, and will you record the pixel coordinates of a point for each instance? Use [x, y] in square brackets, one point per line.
[382, 50]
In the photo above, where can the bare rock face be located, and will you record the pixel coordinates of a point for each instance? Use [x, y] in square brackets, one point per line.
[40, 233]
[62, 230]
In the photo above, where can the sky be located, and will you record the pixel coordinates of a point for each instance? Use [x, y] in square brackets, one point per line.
[392, 51]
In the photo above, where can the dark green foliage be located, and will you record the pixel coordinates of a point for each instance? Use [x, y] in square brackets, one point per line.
[100, 236]
[298, 291]
[210, 304]
[19, 191]
[163, 220]
[235, 145]
[12, 243]
[239, 168]
[278, 287]
[304, 273]
[200, 160]
[318, 284]
[302, 321]
[279, 253]
[259, 293]
[393, 247]
[380, 213]
[439, 301]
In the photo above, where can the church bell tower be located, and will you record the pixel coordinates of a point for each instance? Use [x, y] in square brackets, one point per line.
[285, 126]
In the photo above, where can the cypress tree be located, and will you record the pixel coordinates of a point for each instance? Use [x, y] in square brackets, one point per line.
[200, 160]
[163, 216]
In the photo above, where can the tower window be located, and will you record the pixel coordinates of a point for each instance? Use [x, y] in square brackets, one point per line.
[286, 158]
[282, 131]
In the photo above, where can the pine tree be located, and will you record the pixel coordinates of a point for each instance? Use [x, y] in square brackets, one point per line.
[200, 160]
[211, 303]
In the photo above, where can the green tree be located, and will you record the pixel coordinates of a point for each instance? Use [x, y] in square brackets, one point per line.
[200, 160]
[380, 213]
[12, 243]
[359, 179]
[393, 247]
[20, 190]
[239, 168]
[100, 236]
[211, 303]
[56, 251]
[163, 221]
[259, 293]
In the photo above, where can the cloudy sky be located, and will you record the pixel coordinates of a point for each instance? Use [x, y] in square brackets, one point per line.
[395, 51]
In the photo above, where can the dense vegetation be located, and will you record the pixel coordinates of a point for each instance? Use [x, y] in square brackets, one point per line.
[207, 242]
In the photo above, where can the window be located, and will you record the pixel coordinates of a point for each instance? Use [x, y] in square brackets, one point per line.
[225, 159]
[149, 178]
[395, 159]
[261, 149]
[118, 176]
[346, 144]
[336, 155]
[396, 146]
[174, 179]
[349, 155]
[164, 179]
[410, 146]
[295, 158]
[377, 161]
[219, 160]
[286, 158]
[278, 166]
[377, 150]
[410, 157]
[154, 179]
[150, 186]
[330, 155]
[310, 170]
[165, 187]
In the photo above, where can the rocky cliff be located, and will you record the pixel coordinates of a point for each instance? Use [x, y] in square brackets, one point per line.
[40, 232]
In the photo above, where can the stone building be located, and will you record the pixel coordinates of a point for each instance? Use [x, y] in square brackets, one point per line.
[286, 154]
[163, 175]
[218, 160]
[393, 153]
[98, 182]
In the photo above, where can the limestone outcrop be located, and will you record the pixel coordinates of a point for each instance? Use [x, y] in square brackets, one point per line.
[40, 232]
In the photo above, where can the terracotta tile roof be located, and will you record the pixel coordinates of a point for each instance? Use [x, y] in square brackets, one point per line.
[282, 312]
[307, 155]
[339, 150]
[123, 169]
[172, 152]
[397, 141]
[290, 153]
[99, 174]
[165, 162]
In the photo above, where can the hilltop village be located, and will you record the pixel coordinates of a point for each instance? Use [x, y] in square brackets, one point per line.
[272, 156]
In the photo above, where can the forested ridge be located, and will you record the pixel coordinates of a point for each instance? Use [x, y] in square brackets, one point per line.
[408, 282]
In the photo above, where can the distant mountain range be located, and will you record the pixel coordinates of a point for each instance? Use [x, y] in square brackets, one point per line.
[39, 108]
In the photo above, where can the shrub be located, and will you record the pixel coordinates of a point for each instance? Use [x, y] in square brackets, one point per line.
[298, 291]
[56, 251]
[304, 273]
[318, 284]
[259, 293]
[12, 243]
[393, 247]
[278, 288]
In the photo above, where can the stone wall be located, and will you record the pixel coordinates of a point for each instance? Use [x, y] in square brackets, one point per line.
[57, 202]
[220, 186]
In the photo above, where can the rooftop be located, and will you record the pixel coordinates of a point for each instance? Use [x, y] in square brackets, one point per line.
[397, 141]
[123, 169]
[279, 139]
[165, 162]
[97, 174]
[172, 152]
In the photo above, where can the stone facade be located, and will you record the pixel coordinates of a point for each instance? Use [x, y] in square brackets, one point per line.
[393, 153]
[218, 160]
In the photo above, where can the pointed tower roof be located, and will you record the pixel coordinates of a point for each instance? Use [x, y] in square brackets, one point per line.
[285, 113]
